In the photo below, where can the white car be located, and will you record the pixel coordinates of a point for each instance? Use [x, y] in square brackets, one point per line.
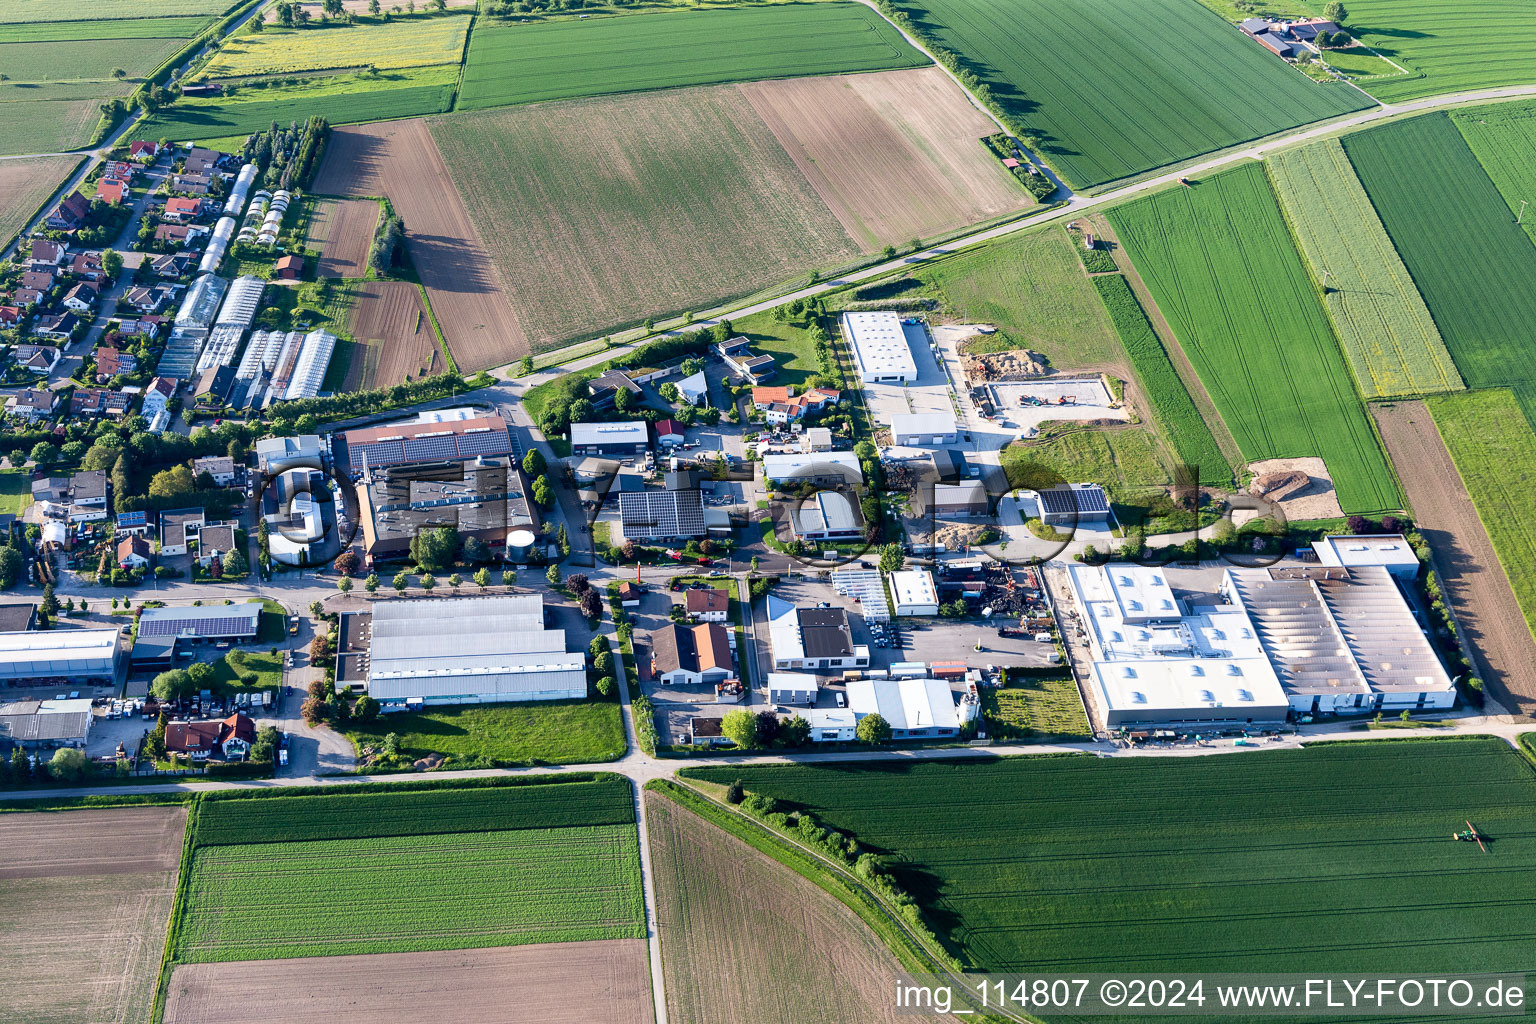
[1043, 638]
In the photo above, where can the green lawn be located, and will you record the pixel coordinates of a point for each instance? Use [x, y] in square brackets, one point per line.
[15, 490]
[1472, 263]
[1495, 452]
[1034, 290]
[1454, 46]
[793, 351]
[268, 669]
[1502, 137]
[1219, 261]
[1058, 865]
[1125, 461]
[557, 732]
[1107, 90]
[511, 63]
[1388, 335]
[1035, 709]
[1359, 63]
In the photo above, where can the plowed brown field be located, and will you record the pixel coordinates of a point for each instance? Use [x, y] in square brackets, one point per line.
[25, 185]
[393, 336]
[86, 897]
[342, 229]
[556, 983]
[745, 939]
[1502, 651]
[895, 155]
[398, 159]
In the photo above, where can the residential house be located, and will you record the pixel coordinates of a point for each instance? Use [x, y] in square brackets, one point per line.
[179, 209]
[88, 265]
[99, 402]
[112, 361]
[10, 315]
[290, 267]
[737, 354]
[237, 736]
[56, 325]
[89, 487]
[40, 279]
[706, 732]
[40, 358]
[670, 432]
[175, 527]
[177, 233]
[229, 739]
[149, 299]
[779, 407]
[143, 151]
[171, 265]
[605, 388]
[213, 387]
[70, 214]
[27, 296]
[122, 170]
[201, 161]
[147, 326]
[694, 390]
[47, 252]
[707, 605]
[111, 190]
[157, 397]
[220, 467]
[696, 656]
[32, 404]
[133, 552]
[214, 540]
[82, 297]
[629, 594]
[194, 184]
[816, 439]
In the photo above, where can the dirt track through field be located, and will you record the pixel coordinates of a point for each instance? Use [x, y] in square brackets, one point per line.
[398, 159]
[342, 229]
[895, 155]
[555, 983]
[394, 336]
[1503, 653]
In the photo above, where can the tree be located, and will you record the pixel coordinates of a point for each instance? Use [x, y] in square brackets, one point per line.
[68, 764]
[265, 746]
[455, 581]
[347, 562]
[427, 581]
[235, 564]
[50, 603]
[525, 367]
[313, 711]
[154, 743]
[476, 551]
[508, 577]
[284, 12]
[366, 709]
[44, 453]
[740, 727]
[603, 663]
[111, 263]
[172, 685]
[578, 583]
[735, 793]
[21, 768]
[402, 580]
[482, 578]
[891, 558]
[795, 732]
[119, 74]
[533, 463]
[605, 686]
[623, 401]
[344, 584]
[553, 575]
[435, 548]
[317, 609]
[216, 567]
[371, 584]
[873, 729]
[543, 494]
[767, 727]
[332, 8]
[392, 744]
[172, 483]
[591, 604]
[1335, 12]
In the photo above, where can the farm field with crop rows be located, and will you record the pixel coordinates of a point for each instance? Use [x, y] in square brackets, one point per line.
[1472, 263]
[25, 185]
[1175, 412]
[59, 122]
[13, 11]
[603, 800]
[632, 206]
[400, 43]
[510, 63]
[1387, 333]
[1503, 137]
[85, 60]
[1205, 863]
[1219, 261]
[131, 28]
[1494, 449]
[1454, 44]
[394, 894]
[342, 99]
[1107, 90]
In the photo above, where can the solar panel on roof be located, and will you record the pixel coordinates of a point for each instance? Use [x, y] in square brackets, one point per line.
[435, 447]
[386, 453]
[485, 443]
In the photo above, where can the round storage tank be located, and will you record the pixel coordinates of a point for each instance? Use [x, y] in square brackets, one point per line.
[519, 544]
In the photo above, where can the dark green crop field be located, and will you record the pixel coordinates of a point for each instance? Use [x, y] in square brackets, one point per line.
[1111, 88]
[1337, 857]
[510, 63]
[1474, 266]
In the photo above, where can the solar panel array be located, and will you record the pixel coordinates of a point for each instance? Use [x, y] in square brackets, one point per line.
[1065, 500]
[662, 514]
[421, 449]
[438, 447]
[380, 453]
[198, 625]
[483, 442]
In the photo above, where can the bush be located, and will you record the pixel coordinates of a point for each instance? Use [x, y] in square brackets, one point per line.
[734, 793]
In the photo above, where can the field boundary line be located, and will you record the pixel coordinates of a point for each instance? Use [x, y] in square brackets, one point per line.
[178, 902]
[442, 342]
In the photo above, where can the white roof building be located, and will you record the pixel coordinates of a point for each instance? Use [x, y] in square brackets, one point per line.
[920, 428]
[915, 592]
[832, 725]
[880, 347]
[695, 389]
[1391, 551]
[913, 707]
[813, 466]
[275, 454]
[610, 435]
[309, 370]
[242, 302]
[792, 688]
[74, 654]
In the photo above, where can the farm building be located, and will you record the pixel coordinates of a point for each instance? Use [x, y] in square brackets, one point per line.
[827, 516]
[812, 638]
[605, 388]
[616, 439]
[63, 655]
[707, 605]
[461, 650]
[445, 435]
[915, 708]
[917, 429]
[662, 515]
[879, 347]
[915, 592]
[691, 656]
[1391, 551]
[669, 432]
[825, 469]
[39, 725]
[795, 689]
[485, 497]
[964, 500]
[1073, 504]
[162, 630]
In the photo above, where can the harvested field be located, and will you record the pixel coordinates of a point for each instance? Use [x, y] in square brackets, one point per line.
[393, 336]
[399, 159]
[93, 890]
[794, 952]
[1496, 635]
[555, 983]
[24, 186]
[342, 229]
[628, 207]
[916, 127]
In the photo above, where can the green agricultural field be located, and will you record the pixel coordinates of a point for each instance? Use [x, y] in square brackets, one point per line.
[1495, 453]
[511, 63]
[1503, 137]
[400, 43]
[1109, 90]
[400, 811]
[1362, 65]
[558, 732]
[86, 60]
[343, 99]
[1472, 263]
[1126, 460]
[25, 185]
[1056, 865]
[131, 28]
[12, 11]
[45, 125]
[1387, 333]
[1219, 262]
[400, 893]
[1454, 46]
[1175, 412]
[1032, 287]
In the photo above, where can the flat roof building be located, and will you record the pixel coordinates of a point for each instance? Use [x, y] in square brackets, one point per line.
[1391, 551]
[662, 515]
[880, 349]
[629, 438]
[827, 468]
[796, 689]
[827, 516]
[462, 650]
[428, 439]
[162, 629]
[485, 497]
[915, 592]
[916, 429]
[45, 724]
[66, 655]
[812, 638]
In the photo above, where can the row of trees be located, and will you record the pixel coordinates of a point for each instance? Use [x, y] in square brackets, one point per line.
[755, 730]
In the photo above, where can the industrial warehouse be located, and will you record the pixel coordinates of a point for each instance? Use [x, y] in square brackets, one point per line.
[462, 650]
